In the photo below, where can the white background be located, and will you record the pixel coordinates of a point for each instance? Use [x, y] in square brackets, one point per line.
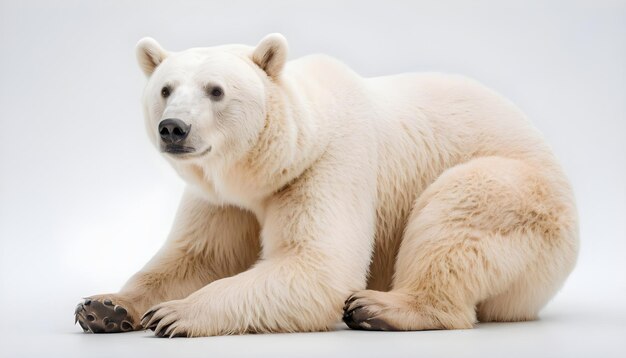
[85, 200]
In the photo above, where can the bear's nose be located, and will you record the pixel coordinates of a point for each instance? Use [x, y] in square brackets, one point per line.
[173, 130]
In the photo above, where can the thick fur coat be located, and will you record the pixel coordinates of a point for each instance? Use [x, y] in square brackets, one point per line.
[407, 202]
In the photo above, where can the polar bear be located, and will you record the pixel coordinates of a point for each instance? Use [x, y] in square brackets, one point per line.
[407, 202]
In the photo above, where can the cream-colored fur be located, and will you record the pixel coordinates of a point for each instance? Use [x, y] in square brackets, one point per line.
[311, 184]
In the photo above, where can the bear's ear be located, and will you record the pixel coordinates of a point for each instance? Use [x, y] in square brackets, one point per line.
[271, 54]
[149, 55]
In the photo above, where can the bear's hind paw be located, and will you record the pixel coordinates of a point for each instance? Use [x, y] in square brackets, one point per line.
[103, 316]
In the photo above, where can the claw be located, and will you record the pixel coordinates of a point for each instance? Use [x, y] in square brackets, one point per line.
[168, 331]
[349, 312]
[162, 331]
[152, 322]
[173, 333]
[177, 333]
[349, 301]
[82, 326]
[163, 324]
[145, 316]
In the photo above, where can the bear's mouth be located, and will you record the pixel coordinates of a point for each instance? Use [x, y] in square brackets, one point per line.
[183, 151]
[177, 149]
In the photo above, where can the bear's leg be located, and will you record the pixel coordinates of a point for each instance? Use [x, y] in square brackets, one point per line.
[206, 243]
[317, 238]
[494, 233]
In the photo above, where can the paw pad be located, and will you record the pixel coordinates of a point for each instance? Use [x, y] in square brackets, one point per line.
[103, 317]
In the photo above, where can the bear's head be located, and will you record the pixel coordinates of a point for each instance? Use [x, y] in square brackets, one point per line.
[208, 105]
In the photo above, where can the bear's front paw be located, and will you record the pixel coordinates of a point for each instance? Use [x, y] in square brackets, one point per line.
[104, 314]
[167, 319]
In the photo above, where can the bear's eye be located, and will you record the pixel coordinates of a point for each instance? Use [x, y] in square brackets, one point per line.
[216, 92]
[165, 92]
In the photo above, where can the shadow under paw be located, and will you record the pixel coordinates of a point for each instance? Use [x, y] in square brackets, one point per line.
[103, 316]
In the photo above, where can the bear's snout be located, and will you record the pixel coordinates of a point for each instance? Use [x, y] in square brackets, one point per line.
[173, 130]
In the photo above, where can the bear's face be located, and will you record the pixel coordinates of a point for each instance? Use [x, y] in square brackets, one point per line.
[208, 104]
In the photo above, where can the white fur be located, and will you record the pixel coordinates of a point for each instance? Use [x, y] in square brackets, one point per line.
[429, 189]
